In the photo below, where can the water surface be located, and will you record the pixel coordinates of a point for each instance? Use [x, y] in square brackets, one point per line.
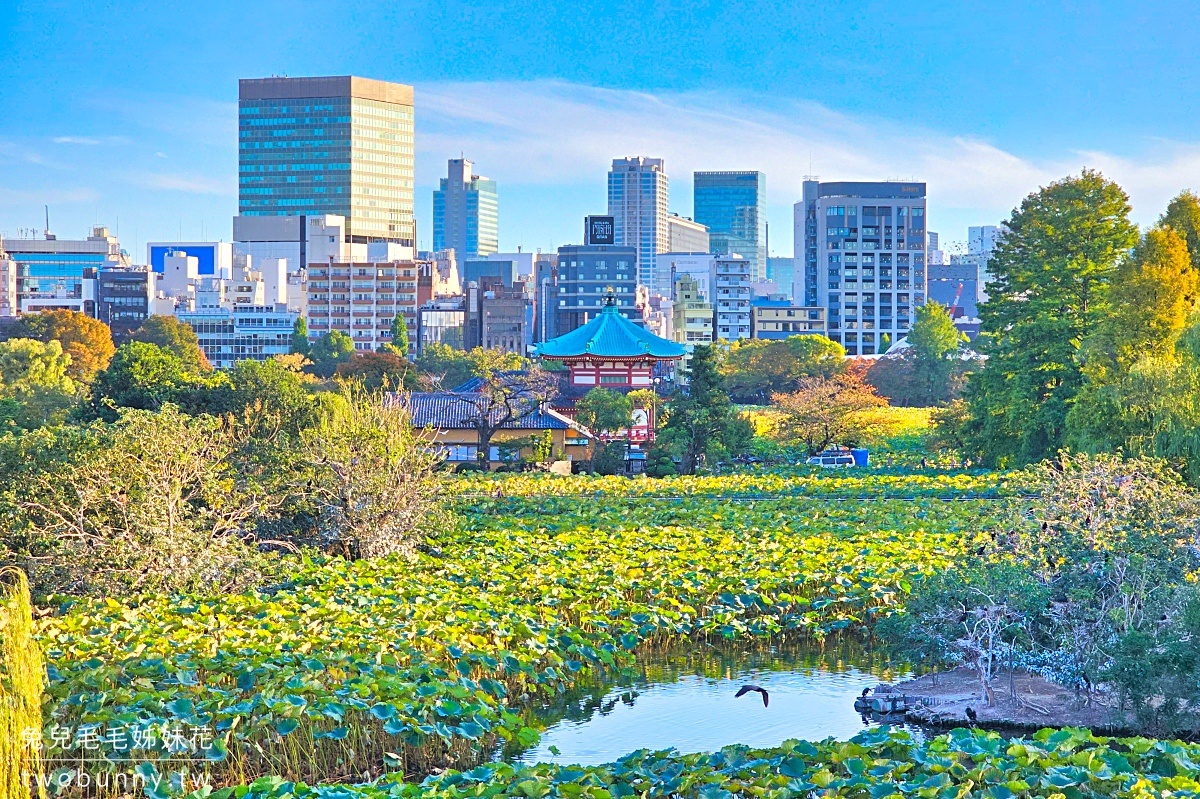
[685, 700]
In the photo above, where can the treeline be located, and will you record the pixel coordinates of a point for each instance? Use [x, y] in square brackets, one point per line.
[141, 468]
[1091, 332]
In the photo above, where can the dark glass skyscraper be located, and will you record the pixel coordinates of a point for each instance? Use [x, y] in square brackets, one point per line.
[338, 145]
[733, 205]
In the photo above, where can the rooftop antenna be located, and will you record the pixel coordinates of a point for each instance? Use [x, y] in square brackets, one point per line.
[49, 235]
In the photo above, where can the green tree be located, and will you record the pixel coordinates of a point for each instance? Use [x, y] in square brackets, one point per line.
[399, 342]
[603, 410]
[699, 413]
[269, 393]
[1051, 271]
[299, 336]
[178, 337]
[936, 343]
[1130, 362]
[1183, 216]
[34, 384]
[88, 341]
[329, 351]
[756, 368]
[444, 367]
[147, 376]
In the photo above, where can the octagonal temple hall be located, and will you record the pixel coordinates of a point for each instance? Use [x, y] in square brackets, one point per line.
[614, 353]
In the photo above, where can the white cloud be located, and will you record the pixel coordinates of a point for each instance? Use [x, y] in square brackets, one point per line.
[191, 184]
[85, 140]
[17, 198]
[552, 132]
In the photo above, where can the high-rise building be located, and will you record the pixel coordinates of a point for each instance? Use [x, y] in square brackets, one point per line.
[732, 297]
[684, 235]
[585, 276]
[933, 252]
[733, 205]
[782, 272]
[862, 246]
[466, 213]
[637, 201]
[981, 243]
[329, 145]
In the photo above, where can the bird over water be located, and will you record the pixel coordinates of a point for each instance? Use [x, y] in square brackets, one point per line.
[745, 689]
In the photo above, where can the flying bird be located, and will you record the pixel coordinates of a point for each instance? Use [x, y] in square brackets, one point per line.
[745, 689]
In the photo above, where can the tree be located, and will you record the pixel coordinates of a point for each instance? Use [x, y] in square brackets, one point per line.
[147, 376]
[34, 382]
[1051, 271]
[378, 371]
[178, 337]
[936, 343]
[1130, 362]
[371, 481]
[399, 342]
[88, 341]
[299, 343]
[150, 503]
[603, 410]
[447, 368]
[699, 413]
[330, 351]
[1183, 216]
[270, 393]
[826, 411]
[503, 397]
[756, 368]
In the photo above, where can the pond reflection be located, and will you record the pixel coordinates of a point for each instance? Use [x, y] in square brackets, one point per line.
[686, 700]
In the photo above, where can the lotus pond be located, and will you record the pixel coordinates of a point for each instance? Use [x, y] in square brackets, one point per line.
[685, 699]
[344, 671]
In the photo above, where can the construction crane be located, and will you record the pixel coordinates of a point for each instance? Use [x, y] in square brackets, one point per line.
[954, 305]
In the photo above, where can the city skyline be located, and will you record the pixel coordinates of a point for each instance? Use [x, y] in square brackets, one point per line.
[149, 148]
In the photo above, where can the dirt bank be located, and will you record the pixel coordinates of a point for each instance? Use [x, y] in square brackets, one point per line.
[1038, 703]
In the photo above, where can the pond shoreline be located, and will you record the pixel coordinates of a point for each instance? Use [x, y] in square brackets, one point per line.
[942, 701]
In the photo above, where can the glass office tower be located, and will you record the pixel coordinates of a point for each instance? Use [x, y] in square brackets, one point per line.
[466, 212]
[337, 145]
[733, 205]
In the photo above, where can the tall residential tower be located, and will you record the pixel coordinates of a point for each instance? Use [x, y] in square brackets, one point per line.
[466, 213]
[860, 254]
[733, 205]
[329, 145]
[637, 201]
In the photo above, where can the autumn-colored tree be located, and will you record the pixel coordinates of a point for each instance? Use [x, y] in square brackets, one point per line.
[826, 411]
[178, 337]
[88, 341]
[378, 371]
[1183, 216]
[756, 368]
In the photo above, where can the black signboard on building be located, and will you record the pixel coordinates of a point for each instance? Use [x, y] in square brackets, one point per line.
[600, 230]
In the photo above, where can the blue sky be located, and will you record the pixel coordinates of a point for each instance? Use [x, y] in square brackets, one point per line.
[125, 113]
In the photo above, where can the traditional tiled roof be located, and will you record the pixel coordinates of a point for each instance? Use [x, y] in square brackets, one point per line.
[443, 410]
[610, 335]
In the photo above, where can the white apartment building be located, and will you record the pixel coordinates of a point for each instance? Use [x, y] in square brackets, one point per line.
[732, 298]
[362, 299]
[860, 255]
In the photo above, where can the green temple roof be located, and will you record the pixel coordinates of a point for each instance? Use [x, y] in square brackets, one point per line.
[610, 335]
